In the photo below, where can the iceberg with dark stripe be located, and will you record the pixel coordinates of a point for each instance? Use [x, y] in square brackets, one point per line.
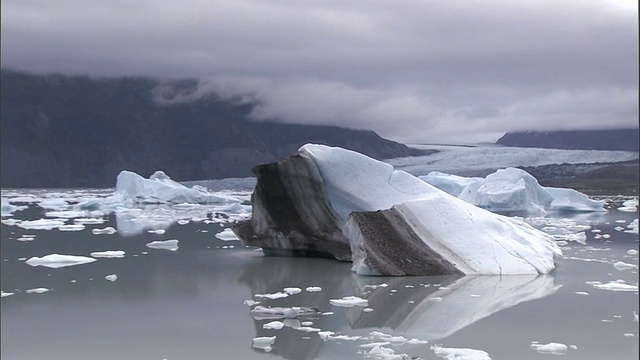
[334, 202]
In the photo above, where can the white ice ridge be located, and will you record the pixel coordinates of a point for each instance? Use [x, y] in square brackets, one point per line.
[512, 190]
[474, 240]
[58, 261]
[159, 188]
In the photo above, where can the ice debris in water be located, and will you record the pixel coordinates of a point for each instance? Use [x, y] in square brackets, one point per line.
[460, 353]
[550, 348]
[36, 291]
[632, 252]
[5, 294]
[226, 235]
[349, 301]
[171, 245]
[108, 254]
[274, 325]
[621, 266]
[58, 261]
[71, 227]
[108, 231]
[313, 289]
[618, 285]
[272, 313]
[264, 342]
[112, 277]
[41, 224]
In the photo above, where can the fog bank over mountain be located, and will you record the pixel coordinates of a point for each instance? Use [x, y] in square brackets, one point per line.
[61, 131]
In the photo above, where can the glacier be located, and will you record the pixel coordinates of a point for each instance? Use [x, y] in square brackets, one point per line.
[334, 202]
[512, 190]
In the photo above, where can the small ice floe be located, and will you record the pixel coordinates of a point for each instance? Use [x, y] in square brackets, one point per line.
[108, 231]
[313, 289]
[251, 302]
[274, 325]
[112, 277]
[108, 254]
[635, 316]
[632, 252]
[583, 293]
[629, 205]
[36, 291]
[330, 335]
[8, 209]
[89, 221]
[460, 353]
[273, 296]
[292, 290]
[26, 237]
[264, 342]
[580, 237]
[11, 222]
[41, 224]
[629, 335]
[367, 309]
[171, 245]
[550, 348]
[273, 313]
[57, 261]
[307, 329]
[226, 235]
[183, 221]
[306, 323]
[380, 352]
[53, 204]
[71, 227]
[633, 227]
[349, 301]
[156, 231]
[621, 266]
[5, 294]
[618, 285]
[435, 299]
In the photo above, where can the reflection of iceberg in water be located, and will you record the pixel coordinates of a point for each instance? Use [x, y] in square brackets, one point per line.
[422, 307]
[434, 312]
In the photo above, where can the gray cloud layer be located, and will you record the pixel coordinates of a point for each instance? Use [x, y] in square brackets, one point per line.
[414, 71]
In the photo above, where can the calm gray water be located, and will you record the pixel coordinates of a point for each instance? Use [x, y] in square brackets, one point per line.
[189, 303]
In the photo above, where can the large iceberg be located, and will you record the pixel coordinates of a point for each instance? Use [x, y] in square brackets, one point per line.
[512, 190]
[334, 202]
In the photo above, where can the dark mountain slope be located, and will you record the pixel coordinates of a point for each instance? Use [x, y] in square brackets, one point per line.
[59, 131]
[620, 139]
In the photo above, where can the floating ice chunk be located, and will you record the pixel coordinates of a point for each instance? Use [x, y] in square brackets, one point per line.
[171, 245]
[367, 309]
[630, 205]
[108, 254]
[460, 353]
[183, 221]
[632, 252]
[635, 316]
[226, 235]
[307, 329]
[57, 261]
[550, 348]
[264, 342]
[621, 266]
[380, 352]
[112, 277]
[584, 293]
[71, 227]
[8, 209]
[41, 224]
[5, 294]
[89, 221]
[313, 289]
[53, 204]
[292, 290]
[36, 291]
[349, 301]
[580, 237]
[274, 325]
[26, 237]
[380, 336]
[251, 302]
[11, 222]
[277, 295]
[108, 231]
[618, 285]
[157, 231]
[272, 313]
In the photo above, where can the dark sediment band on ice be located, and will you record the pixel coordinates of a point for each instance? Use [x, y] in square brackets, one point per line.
[388, 245]
[290, 215]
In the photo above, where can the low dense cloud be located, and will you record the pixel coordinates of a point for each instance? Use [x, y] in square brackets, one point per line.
[414, 71]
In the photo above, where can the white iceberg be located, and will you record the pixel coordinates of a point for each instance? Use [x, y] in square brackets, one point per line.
[226, 235]
[57, 260]
[159, 188]
[171, 245]
[512, 190]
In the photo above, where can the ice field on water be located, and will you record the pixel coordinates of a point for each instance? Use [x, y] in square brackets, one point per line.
[88, 273]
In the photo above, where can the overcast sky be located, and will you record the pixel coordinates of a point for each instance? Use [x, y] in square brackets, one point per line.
[413, 71]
